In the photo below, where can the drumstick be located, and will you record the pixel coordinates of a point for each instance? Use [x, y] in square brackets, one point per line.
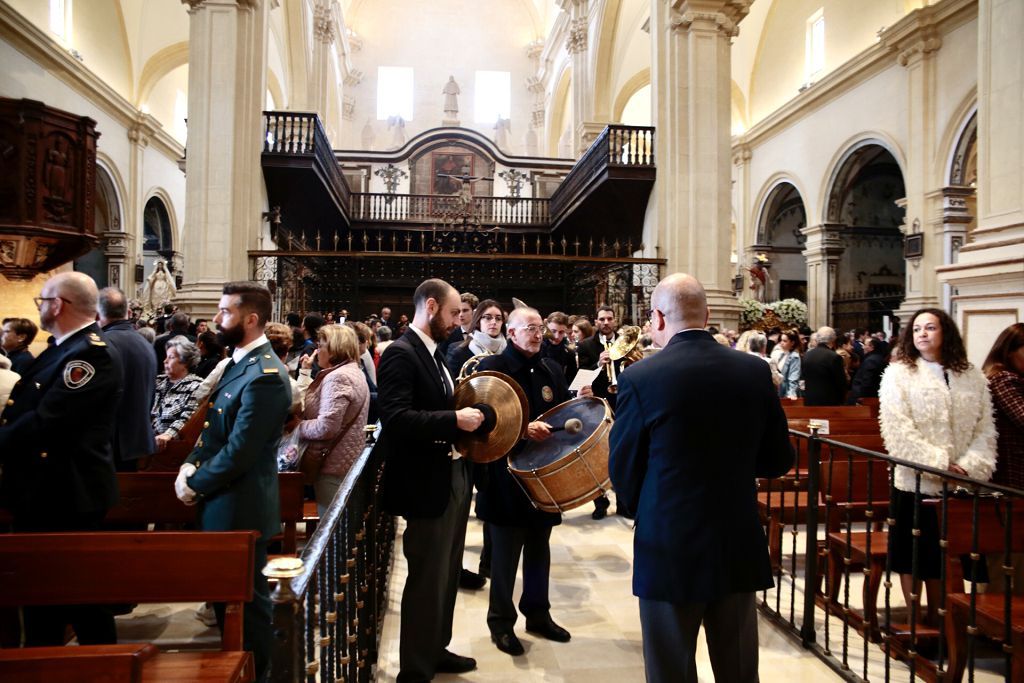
[572, 426]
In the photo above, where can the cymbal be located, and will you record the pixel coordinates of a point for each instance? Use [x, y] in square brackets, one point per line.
[506, 414]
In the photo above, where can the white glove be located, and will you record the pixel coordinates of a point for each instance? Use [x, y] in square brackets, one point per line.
[181, 489]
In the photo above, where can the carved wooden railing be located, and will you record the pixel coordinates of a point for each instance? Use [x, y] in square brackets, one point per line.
[302, 134]
[373, 207]
[616, 147]
[329, 603]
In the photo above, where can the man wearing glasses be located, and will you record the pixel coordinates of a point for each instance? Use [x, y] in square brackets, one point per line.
[517, 528]
[55, 443]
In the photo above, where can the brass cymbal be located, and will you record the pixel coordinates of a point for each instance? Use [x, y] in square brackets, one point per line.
[506, 414]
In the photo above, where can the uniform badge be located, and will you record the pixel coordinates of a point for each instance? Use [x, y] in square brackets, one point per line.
[547, 394]
[77, 374]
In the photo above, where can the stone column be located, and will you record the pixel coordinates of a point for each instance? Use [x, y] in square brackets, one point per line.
[917, 43]
[319, 77]
[988, 281]
[950, 227]
[690, 75]
[224, 182]
[139, 135]
[744, 244]
[822, 251]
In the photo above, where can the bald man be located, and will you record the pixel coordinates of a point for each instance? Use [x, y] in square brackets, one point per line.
[695, 425]
[55, 442]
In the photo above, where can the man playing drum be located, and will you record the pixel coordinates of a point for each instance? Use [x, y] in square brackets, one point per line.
[517, 528]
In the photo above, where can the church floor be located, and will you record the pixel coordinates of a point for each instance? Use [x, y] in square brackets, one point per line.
[591, 572]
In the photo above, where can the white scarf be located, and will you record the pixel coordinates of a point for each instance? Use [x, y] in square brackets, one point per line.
[483, 343]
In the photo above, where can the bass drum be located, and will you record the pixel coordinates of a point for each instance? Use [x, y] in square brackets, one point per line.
[567, 470]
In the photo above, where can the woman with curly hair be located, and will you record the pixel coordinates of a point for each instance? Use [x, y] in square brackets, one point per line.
[1004, 369]
[935, 410]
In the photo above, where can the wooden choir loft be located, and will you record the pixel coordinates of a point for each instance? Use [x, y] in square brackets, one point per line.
[360, 229]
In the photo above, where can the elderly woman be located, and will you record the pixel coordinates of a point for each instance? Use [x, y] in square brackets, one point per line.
[336, 405]
[176, 398]
[935, 410]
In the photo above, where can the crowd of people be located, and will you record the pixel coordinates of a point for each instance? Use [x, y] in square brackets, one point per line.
[112, 393]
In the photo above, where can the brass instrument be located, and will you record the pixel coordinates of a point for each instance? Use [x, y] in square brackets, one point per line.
[469, 367]
[624, 348]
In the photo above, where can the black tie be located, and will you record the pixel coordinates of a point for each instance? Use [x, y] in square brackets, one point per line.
[444, 375]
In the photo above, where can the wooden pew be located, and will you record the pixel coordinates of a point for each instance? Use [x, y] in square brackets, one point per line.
[825, 412]
[130, 567]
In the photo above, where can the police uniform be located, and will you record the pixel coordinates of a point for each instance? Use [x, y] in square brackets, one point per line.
[58, 471]
[516, 526]
[236, 477]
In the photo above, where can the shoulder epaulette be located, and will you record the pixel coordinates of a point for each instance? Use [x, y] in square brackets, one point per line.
[96, 340]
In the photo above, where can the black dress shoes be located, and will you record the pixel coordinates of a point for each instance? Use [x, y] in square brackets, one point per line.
[452, 663]
[471, 580]
[547, 628]
[508, 643]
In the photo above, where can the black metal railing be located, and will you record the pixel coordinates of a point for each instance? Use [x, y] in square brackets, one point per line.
[616, 147]
[302, 134]
[328, 611]
[425, 209]
[839, 507]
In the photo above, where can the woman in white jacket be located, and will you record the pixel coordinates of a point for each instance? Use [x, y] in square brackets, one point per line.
[935, 410]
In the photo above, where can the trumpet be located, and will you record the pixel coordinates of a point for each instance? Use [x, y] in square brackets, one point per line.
[624, 348]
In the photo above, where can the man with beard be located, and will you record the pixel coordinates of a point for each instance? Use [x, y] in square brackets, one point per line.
[426, 480]
[232, 473]
[593, 354]
[55, 443]
[467, 304]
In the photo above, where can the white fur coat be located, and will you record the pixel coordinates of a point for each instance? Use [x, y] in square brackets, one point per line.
[926, 422]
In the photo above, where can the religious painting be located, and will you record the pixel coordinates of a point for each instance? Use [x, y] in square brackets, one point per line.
[444, 166]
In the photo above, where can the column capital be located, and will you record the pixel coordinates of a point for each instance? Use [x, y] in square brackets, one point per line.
[721, 16]
[323, 25]
[741, 154]
[194, 5]
[914, 38]
[577, 40]
[142, 129]
[824, 241]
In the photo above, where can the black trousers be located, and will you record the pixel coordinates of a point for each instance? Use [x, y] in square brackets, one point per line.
[45, 626]
[670, 639]
[433, 550]
[508, 543]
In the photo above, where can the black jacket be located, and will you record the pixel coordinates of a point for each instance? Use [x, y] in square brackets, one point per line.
[561, 354]
[869, 374]
[133, 429]
[56, 432]
[588, 351]
[419, 425]
[500, 499]
[696, 423]
[821, 370]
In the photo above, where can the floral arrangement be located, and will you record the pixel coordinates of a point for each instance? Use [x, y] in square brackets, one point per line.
[751, 312]
[792, 312]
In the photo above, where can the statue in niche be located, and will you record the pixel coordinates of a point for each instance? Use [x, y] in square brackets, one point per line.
[369, 135]
[396, 124]
[159, 288]
[759, 279]
[502, 128]
[451, 99]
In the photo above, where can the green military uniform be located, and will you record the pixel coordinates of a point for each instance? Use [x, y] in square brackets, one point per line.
[236, 480]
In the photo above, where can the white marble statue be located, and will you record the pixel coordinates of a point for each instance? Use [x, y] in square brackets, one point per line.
[369, 135]
[159, 288]
[451, 99]
[396, 124]
[502, 128]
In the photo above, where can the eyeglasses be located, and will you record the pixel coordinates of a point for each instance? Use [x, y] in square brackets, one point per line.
[532, 329]
[38, 300]
[487, 318]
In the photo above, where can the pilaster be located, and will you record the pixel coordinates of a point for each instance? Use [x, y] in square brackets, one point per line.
[691, 43]
[140, 133]
[987, 281]
[823, 248]
[224, 182]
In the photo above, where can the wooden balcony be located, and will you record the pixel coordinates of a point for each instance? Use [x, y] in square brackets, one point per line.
[606, 192]
[303, 177]
[398, 210]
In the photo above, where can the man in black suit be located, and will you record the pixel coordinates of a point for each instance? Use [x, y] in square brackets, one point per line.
[467, 304]
[55, 440]
[821, 370]
[177, 326]
[696, 424]
[426, 480]
[593, 354]
[133, 430]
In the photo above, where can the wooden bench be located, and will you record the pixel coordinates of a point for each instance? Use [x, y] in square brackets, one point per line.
[795, 412]
[130, 567]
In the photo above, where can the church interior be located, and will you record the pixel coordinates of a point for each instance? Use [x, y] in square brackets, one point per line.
[858, 161]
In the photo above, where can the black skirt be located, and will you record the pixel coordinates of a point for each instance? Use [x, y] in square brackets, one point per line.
[901, 538]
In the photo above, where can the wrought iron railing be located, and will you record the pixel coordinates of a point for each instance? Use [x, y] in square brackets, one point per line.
[375, 207]
[616, 147]
[329, 607]
[301, 134]
[834, 578]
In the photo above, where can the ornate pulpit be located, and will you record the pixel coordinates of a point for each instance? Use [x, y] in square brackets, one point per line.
[47, 187]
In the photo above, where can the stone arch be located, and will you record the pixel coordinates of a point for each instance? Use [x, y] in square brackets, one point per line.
[108, 223]
[603, 59]
[159, 232]
[778, 234]
[275, 91]
[630, 88]
[961, 167]
[162, 62]
[840, 163]
[559, 107]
